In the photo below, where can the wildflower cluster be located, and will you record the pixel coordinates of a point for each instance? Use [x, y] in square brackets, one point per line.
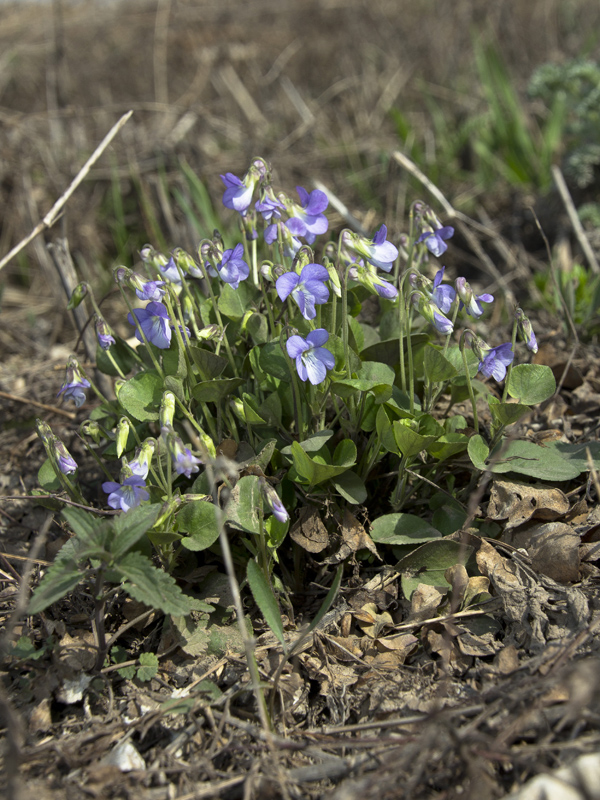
[244, 360]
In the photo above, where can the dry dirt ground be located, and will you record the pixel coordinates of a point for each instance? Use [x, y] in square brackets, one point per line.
[386, 699]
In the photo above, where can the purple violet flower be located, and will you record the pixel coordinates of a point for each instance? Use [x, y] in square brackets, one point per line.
[312, 360]
[151, 290]
[127, 495]
[434, 240]
[233, 268]
[442, 295]
[496, 360]
[268, 205]
[74, 384]
[368, 277]
[291, 245]
[429, 310]
[471, 301]
[184, 462]
[238, 193]
[307, 219]
[104, 333]
[170, 271]
[378, 251]
[66, 462]
[307, 289]
[154, 322]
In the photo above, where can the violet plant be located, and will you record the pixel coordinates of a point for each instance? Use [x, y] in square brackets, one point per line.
[258, 386]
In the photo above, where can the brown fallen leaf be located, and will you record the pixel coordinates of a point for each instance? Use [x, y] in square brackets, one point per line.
[353, 538]
[309, 532]
[519, 502]
[424, 602]
[554, 550]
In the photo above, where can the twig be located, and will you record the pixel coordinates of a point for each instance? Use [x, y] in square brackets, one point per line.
[52, 215]
[574, 217]
[53, 409]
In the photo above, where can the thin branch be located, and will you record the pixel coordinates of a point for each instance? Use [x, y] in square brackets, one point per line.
[574, 217]
[52, 215]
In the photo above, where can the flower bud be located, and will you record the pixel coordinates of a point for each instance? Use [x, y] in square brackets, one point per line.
[279, 511]
[79, 292]
[91, 428]
[104, 333]
[66, 462]
[431, 313]
[122, 434]
[210, 332]
[140, 464]
[166, 412]
[526, 331]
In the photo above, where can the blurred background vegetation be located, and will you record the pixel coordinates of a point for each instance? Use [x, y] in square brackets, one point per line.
[483, 97]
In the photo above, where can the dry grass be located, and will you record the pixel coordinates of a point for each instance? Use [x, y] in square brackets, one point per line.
[306, 84]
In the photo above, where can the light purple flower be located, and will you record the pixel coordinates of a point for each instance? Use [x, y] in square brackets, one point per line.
[429, 310]
[233, 268]
[307, 219]
[307, 289]
[154, 322]
[74, 384]
[442, 295]
[368, 277]
[291, 245]
[185, 463]
[496, 361]
[312, 360]
[526, 331]
[66, 462]
[127, 495]
[170, 271]
[471, 301]
[151, 290]
[435, 240]
[377, 251]
[104, 334]
[268, 205]
[238, 194]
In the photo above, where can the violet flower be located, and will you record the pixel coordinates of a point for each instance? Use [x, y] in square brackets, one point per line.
[307, 219]
[155, 324]
[435, 239]
[233, 268]
[378, 251]
[442, 295]
[312, 360]
[127, 495]
[74, 385]
[291, 244]
[471, 301]
[496, 360]
[104, 333]
[307, 289]
[368, 277]
[430, 311]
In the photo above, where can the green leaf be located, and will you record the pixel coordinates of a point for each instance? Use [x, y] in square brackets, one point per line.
[507, 413]
[243, 509]
[151, 586]
[315, 470]
[215, 390]
[313, 444]
[429, 562]
[174, 360]
[385, 431]
[148, 666]
[265, 600]
[141, 395]
[47, 477]
[537, 461]
[61, 578]
[351, 487]
[402, 529]
[448, 445]
[526, 458]
[89, 529]
[209, 364]
[130, 527]
[454, 356]
[531, 383]
[437, 367]
[273, 362]
[258, 328]
[234, 303]
[576, 454]
[478, 452]
[336, 347]
[410, 443]
[199, 519]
